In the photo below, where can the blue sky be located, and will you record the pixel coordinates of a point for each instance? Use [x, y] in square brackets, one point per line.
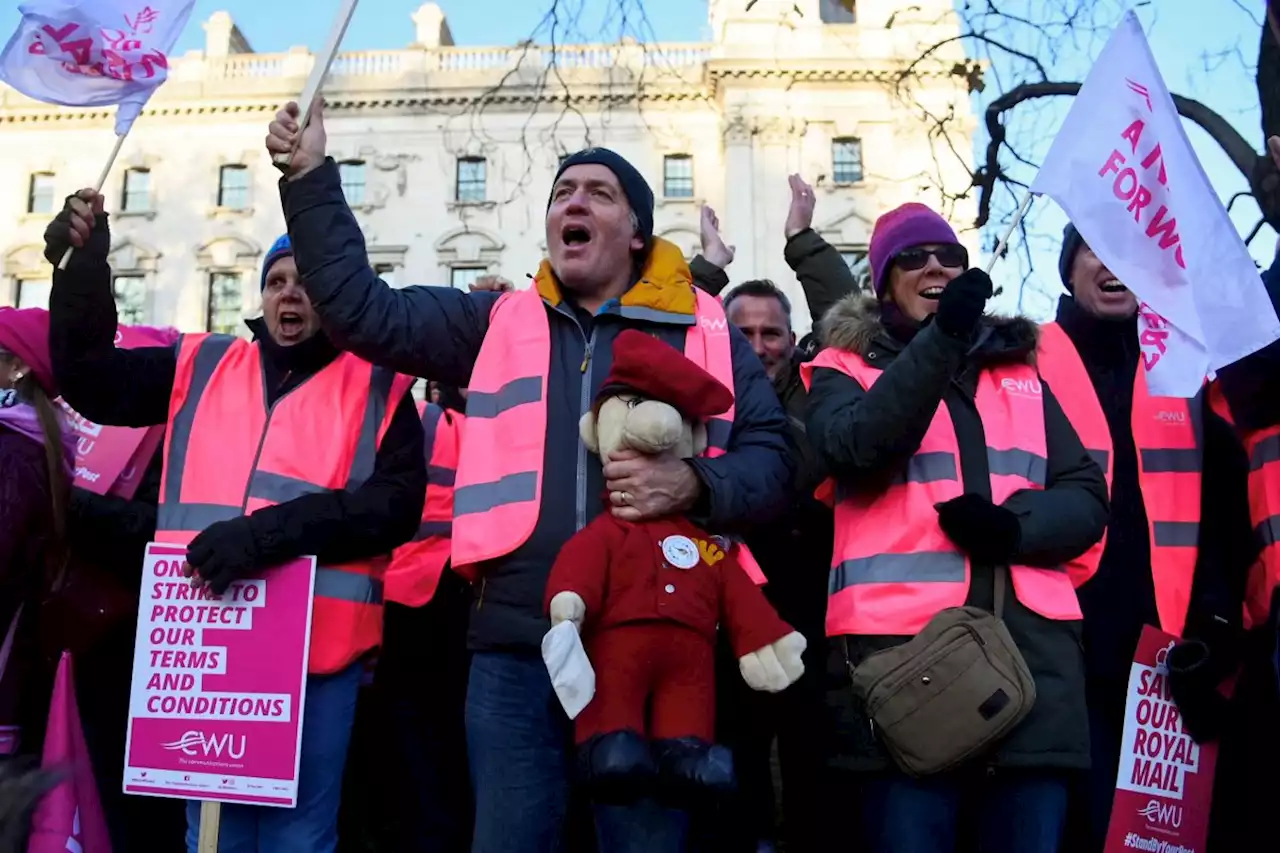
[1206, 50]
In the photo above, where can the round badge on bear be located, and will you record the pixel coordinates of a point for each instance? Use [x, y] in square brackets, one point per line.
[680, 552]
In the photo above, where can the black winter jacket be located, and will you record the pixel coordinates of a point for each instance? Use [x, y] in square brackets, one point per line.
[132, 388]
[864, 437]
[437, 332]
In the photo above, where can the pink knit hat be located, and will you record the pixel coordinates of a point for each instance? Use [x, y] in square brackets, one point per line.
[912, 224]
[25, 333]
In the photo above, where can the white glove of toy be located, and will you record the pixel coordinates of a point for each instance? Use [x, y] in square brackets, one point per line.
[775, 667]
[567, 607]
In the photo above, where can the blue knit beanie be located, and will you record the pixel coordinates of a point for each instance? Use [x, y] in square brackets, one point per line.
[281, 248]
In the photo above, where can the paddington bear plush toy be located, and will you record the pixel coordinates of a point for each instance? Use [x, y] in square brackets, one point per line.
[648, 597]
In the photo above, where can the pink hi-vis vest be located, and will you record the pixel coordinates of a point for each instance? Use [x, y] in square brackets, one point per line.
[227, 454]
[893, 568]
[1167, 433]
[417, 565]
[500, 469]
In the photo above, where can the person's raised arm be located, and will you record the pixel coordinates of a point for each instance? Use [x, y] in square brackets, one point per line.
[824, 276]
[421, 331]
[104, 383]
[708, 268]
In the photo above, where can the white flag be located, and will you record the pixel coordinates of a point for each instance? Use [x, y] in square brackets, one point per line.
[91, 53]
[1125, 173]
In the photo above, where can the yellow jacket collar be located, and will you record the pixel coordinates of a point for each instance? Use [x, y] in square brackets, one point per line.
[665, 284]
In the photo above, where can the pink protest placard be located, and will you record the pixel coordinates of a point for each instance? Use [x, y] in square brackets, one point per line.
[104, 453]
[1165, 785]
[126, 485]
[219, 683]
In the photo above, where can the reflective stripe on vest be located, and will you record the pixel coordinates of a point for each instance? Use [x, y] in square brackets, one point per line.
[417, 565]
[227, 454]
[1168, 437]
[499, 483]
[893, 568]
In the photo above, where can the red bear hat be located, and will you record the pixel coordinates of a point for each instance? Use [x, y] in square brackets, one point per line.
[644, 364]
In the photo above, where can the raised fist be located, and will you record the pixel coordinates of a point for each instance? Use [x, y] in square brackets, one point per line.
[307, 150]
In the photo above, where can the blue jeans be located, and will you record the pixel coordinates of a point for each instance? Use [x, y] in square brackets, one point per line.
[1013, 811]
[519, 744]
[311, 827]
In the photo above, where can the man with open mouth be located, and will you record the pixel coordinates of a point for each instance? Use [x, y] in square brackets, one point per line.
[533, 361]
[1178, 539]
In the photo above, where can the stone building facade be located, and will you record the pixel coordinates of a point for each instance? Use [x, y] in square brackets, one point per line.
[448, 152]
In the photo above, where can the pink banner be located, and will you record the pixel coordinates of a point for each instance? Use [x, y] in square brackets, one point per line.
[104, 453]
[1165, 785]
[70, 816]
[219, 683]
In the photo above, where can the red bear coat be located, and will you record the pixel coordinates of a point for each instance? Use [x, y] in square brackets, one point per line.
[655, 593]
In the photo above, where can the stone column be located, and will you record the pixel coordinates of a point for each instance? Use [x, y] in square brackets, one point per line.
[738, 218]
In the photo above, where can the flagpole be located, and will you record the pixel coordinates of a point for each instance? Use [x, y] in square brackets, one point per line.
[318, 72]
[1008, 232]
[102, 180]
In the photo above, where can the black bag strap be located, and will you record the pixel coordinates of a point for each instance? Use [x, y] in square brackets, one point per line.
[1000, 582]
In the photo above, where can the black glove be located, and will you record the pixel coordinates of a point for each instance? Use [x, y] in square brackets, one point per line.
[57, 237]
[1197, 666]
[224, 552]
[986, 532]
[961, 305]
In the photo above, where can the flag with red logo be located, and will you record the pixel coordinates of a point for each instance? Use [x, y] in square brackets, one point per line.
[92, 53]
[1123, 169]
[69, 818]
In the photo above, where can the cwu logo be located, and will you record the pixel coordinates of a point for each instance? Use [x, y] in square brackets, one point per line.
[210, 746]
[1165, 814]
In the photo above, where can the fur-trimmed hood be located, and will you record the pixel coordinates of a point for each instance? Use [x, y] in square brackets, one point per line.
[854, 324]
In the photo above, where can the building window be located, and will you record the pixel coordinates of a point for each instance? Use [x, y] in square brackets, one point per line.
[352, 175]
[233, 187]
[33, 292]
[838, 11]
[131, 298]
[460, 277]
[677, 176]
[471, 179]
[860, 265]
[137, 190]
[40, 193]
[225, 303]
[386, 272]
[846, 161]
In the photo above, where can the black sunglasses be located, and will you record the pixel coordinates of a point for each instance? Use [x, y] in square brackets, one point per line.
[948, 254]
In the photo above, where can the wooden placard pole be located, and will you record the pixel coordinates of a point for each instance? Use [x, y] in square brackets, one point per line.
[318, 73]
[102, 180]
[210, 817]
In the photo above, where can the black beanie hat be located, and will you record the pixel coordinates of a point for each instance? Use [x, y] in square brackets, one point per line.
[634, 186]
[1071, 243]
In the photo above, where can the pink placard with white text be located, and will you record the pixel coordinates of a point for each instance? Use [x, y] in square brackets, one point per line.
[219, 684]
